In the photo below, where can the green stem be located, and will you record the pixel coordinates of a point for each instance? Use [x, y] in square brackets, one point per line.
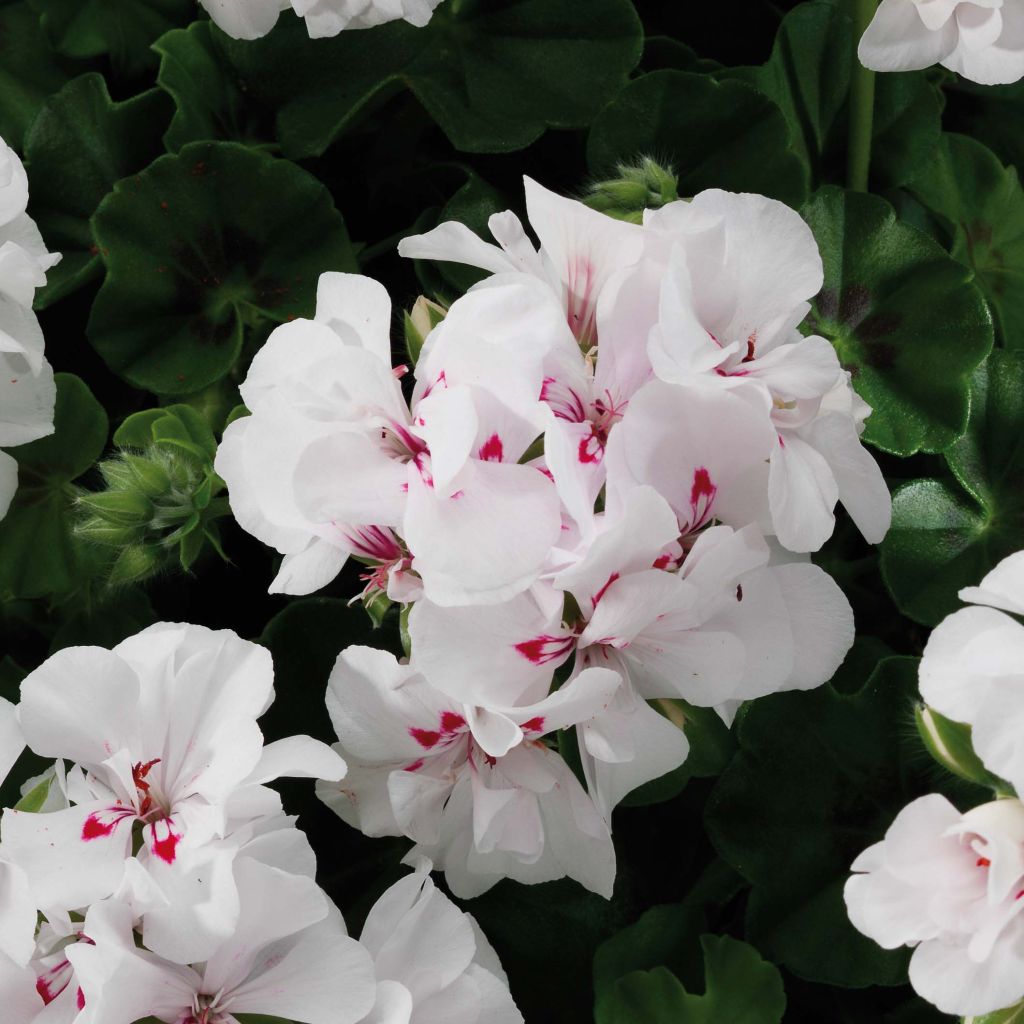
[862, 103]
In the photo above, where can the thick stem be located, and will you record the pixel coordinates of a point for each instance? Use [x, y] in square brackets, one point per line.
[862, 103]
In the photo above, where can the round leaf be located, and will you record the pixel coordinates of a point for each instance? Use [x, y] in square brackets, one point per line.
[494, 75]
[82, 127]
[713, 134]
[943, 539]
[905, 318]
[203, 249]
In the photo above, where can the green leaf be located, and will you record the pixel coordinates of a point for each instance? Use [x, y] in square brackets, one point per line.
[808, 76]
[122, 29]
[982, 202]
[943, 537]
[168, 423]
[38, 553]
[493, 75]
[35, 799]
[81, 127]
[819, 777]
[211, 102]
[203, 250]
[713, 134]
[740, 988]
[664, 936]
[29, 70]
[905, 318]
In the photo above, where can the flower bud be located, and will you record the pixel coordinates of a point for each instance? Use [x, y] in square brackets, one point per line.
[639, 187]
[160, 506]
[949, 743]
[419, 322]
[1011, 1015]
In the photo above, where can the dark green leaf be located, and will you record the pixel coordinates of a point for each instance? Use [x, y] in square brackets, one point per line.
[29, 70]
[982, 202]
[122, 29]
[819, 777]
[713, 134]
[943, 539]
[740, 988]
[202, 249]
[492, 74]
[905, 318]
[38, 553]
[211, 101]
[81, 127]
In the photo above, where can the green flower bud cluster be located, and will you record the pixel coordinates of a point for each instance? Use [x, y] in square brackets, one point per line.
[161, 501]
[642, 186]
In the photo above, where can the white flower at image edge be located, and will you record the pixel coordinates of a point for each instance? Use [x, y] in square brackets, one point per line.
[983, 40]
[251, 19]
[432, 962]
[972, 670]
[952, 886]
[163, 738]
[27, 391]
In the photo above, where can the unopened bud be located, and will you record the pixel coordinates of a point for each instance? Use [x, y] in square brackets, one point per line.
[949, 743]
[419, 322]
[642, 186]
[135, 563]
[1011, 1015]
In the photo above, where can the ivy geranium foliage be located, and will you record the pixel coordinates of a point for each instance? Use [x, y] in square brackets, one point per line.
[511, 510]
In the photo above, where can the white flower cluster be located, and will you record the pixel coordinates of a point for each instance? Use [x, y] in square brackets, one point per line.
[599, 492]
[251, 19]
[27, 392]
[159, 876]
[983, 40]
[952, 884]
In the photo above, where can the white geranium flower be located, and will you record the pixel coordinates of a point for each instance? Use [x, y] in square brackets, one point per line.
[432, 962]
[251, 19]
[952, 886]
[983, 40]
[333, 461]
[476, 787]
[27, 392]
[740, 272]
[973, 669]
[289, 957]
[163, 735]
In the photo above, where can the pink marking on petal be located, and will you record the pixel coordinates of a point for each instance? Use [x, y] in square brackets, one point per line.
[426, 738]
[751, 342]
[662, 562]
[80, 999]
[983, 862]
[451, 722]
[591, 449]
[492, 450]
[542, 650]
[604, 590]
[415, 766]
[702, 497]
[164, 839]
[101, 824]
[534, 724]
[53, 982]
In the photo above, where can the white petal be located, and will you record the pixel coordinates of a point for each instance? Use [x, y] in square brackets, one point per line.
[245, 19]
[12, 742]
[1003, 587]
[488, 541]
[358, 310]
[455, 243]
[27, 399]
[307, 571]
[19, 919]
[8, 482]
[802, 492]
[18, 986]
[298, 757]
[898, 40]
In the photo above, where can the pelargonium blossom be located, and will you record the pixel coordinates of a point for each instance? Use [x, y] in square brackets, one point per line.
[251, 19]
[288, 956]
[333, 461]
[740, 272]
[166, 750]
[972, 670]
[27, 391]
[983, 40]
[432, 963]
[950, 885]
[476, 787]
